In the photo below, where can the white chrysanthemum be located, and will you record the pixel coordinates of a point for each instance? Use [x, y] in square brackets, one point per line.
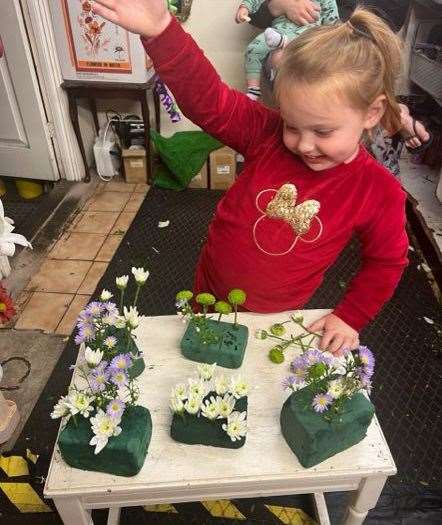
[61, 409]
[105, 295]
[236, 426]
[226, 405]
[238, 387]
[93, 357]
[206, 371]
[176, 404]
[104, 427]
[210, 408]
[180, 391]
[122, 281]
[193, 404]
[197, 387]
[79, 403]
[140, 275]
[131, 316]
[221, 385]
[336, 388]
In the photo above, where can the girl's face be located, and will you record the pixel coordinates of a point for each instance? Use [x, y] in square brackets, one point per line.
[324, 132]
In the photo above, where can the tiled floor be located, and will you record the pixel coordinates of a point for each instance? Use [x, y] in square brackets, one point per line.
[72, 268]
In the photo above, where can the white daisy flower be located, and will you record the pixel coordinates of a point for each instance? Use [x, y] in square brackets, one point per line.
[193, 404]
[206, 371]
[122, 281]
[140, 275]
[226, 405]
[210, 408]
[239, 387]
[236, 426]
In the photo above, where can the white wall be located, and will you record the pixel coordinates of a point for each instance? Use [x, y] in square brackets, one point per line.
[212, 25]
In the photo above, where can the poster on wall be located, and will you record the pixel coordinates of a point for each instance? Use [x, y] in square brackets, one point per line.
[94, 43]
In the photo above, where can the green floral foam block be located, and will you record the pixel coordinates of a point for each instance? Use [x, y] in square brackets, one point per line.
[194, 430]
[228, 351]
[312, 438]
[123, 455]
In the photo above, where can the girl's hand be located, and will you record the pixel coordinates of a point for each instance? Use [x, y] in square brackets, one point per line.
[242, 15]
[337, 335]
[145, 17]
[300, 12]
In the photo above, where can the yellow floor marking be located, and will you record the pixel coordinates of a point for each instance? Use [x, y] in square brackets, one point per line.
[162, 507]
[24, 497]
[14, 466]
[223, 508]
[290, 515]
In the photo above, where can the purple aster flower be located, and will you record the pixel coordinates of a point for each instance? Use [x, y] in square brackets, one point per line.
[101, 367]
[87, 332]
[110, 341]
[79, 338]
[116, 408]
[95, 308]
[119, 378]
[314, 356]
[85, 315]
[288, 382]
[97, 380]
[321, 402]
[111, 308]
[121, 362]
[366, 358]
[298, 362]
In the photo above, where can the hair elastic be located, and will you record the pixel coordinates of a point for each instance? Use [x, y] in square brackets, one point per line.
[360, 32]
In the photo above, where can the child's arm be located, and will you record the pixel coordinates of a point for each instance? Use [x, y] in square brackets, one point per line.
[201, 95]
[252, 5]
[384, 258]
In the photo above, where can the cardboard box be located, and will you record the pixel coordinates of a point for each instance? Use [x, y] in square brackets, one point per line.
[135, 166]
[200, 179]
[222, 168]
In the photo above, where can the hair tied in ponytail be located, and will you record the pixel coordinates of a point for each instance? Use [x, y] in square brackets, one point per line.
[360, 32]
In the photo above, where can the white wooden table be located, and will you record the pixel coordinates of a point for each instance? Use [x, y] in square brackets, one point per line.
[265, 466]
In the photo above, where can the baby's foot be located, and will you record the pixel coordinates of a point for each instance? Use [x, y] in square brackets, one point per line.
[274, 39]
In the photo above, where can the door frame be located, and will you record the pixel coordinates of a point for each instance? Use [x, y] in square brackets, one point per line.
[37, 18]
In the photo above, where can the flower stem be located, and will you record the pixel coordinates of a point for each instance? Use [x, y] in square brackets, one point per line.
[136, 295]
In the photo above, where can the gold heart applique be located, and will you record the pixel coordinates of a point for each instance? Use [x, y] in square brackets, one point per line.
[283, 206]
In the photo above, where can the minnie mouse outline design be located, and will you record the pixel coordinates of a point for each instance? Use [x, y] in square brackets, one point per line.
[283, 206]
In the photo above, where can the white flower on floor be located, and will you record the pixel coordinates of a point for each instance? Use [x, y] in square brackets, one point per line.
[193, 404]
[105, 295]
[61, 409]
[226, 405]
[176, 404]
[93, 357]
[180, 391]
[104, 427]
[140, 275]
[8, 240]
[221, 385]
[197, 387]
[122, 281]
[236, 426]
[131, 316]
[210, 408]
[206, 371]
[79, 403]
[239, 387]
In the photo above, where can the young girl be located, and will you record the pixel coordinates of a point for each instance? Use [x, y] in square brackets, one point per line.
[307, 184]
[275, 37]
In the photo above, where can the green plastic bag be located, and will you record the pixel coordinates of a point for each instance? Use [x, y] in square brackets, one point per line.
[183, 155]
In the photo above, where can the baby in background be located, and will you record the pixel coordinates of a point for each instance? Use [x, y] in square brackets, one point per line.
[275, 37]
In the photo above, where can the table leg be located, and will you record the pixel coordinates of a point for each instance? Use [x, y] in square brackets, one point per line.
[156, 103]
[322, 516]
[73, 113]
[72, 512]
[113, 517]
[364, 499]
[93, 108]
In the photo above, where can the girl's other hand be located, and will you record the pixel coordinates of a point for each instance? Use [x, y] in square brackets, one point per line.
[337, 335]
[300, 12]
[242, 15]
[145, 17]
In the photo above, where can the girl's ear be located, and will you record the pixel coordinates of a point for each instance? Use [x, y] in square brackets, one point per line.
[375, 112]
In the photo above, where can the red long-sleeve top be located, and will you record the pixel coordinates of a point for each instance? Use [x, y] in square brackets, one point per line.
[278, 264]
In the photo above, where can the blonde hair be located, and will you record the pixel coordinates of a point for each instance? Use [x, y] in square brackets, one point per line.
[360, 58]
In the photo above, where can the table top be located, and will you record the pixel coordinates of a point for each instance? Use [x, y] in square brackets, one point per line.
[264, 465]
